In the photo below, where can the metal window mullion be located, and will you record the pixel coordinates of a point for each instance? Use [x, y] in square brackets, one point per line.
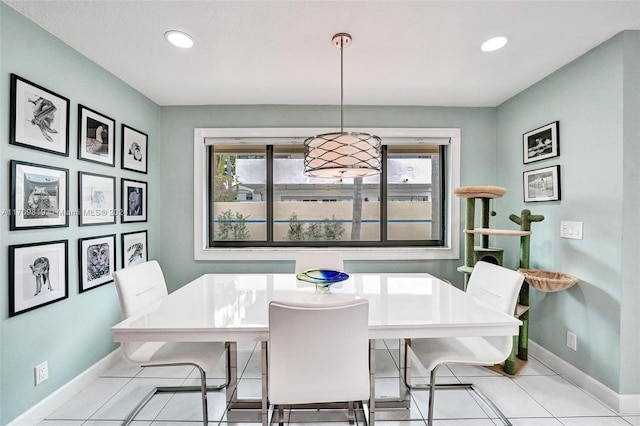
[270, 192]
[383, 195]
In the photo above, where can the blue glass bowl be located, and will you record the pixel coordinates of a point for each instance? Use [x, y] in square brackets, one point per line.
[322, 277]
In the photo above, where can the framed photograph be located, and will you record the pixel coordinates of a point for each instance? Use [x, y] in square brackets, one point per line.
[96, 199]
[541, 143]
[134, 248]
[134, 149]
[38, 275]
[542, 184]
[39, 118]
[134, 201]
[38, 196]
[97, 261]
[96, 137]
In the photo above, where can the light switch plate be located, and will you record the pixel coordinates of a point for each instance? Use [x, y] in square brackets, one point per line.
[569, 229]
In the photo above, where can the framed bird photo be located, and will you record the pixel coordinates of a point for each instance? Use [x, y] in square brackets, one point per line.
[97, 261]
[134, 201]
[39, 118]
[134, 149]
[96, 137]
[134, 248]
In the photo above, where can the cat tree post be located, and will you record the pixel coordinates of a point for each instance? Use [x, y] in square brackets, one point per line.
[525, 220]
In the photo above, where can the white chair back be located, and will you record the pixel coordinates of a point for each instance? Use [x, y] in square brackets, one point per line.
[496, 286]
[318, 352]
[139, 286]
[319, 259]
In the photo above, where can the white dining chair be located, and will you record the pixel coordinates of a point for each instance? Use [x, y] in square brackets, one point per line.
[491, 285]
[139, 287]
[318, 353]
[319, 259]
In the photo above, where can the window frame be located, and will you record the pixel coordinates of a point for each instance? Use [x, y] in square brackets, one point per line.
[450, 250]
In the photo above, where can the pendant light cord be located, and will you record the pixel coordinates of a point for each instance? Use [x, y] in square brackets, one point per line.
[341, 86]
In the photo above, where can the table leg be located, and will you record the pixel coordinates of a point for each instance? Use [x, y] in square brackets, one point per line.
[264, 361]
[372, 381]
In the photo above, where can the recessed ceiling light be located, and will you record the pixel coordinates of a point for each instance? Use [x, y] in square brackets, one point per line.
[494, 43]
[179, 39]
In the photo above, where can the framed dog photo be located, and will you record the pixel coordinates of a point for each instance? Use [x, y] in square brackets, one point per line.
[96, 137]
[134, 248]
[542, 184]
[134, 149]
[39, 118]
[39, 196]
[134, 201]
[97, 261]
[96, 199]
[541, 143]
[38, 275]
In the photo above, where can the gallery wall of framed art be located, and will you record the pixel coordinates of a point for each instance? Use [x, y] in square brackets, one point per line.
[39, 195]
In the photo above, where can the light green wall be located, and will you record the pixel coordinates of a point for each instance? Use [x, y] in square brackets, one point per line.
[74, 333]
[598, 159]
[596, 99]
[177, 123]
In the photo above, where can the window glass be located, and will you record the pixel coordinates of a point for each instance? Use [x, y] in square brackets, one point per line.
[413, 193]
[319, 209]
[238, 207]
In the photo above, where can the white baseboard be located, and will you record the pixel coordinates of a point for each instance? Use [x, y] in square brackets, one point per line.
[42, 409]
[622, 404]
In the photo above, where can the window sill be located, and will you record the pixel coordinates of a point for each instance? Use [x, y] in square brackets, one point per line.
[372, 253]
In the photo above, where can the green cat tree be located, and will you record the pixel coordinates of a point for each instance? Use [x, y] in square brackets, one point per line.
[495, 255]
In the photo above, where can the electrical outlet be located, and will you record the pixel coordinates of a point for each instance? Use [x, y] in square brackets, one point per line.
[42, 372]
[572, 340]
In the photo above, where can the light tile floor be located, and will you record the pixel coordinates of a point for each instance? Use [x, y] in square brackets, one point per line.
[537, 397]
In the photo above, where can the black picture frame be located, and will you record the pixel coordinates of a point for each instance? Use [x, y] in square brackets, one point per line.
[97, 261]
[134, 248]
[96, 137]
[39, 196]
[38, 275]
[38, 117]
[96, 199]
[542, 184]
[134, 152]
[134, 201]
[541, 143]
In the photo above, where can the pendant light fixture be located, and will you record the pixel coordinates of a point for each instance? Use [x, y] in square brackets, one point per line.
[342, 154]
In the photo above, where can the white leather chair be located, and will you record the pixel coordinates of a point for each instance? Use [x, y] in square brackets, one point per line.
[318, 259]
[318, 353]
[139, 287]
[492, 285]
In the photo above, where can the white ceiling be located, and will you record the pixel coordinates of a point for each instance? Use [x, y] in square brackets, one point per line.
[280, 52]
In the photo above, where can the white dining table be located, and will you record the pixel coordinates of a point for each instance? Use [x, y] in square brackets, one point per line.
[234, 307]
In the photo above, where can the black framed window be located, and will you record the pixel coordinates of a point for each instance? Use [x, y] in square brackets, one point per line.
[258, 196]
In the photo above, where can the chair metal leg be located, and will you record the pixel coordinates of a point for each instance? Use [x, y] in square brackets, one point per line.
[469, 386]
[203, 391]
[203, 388]
[432, 394]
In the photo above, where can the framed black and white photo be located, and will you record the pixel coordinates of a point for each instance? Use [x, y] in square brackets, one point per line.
[134, 248]
[542, 184]
[38, 275]
[541, 143]
[96, 199]
[134, 201]
[97, 261]
[134, 149]
[96, 137]
[39, 196]
[39, 118]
